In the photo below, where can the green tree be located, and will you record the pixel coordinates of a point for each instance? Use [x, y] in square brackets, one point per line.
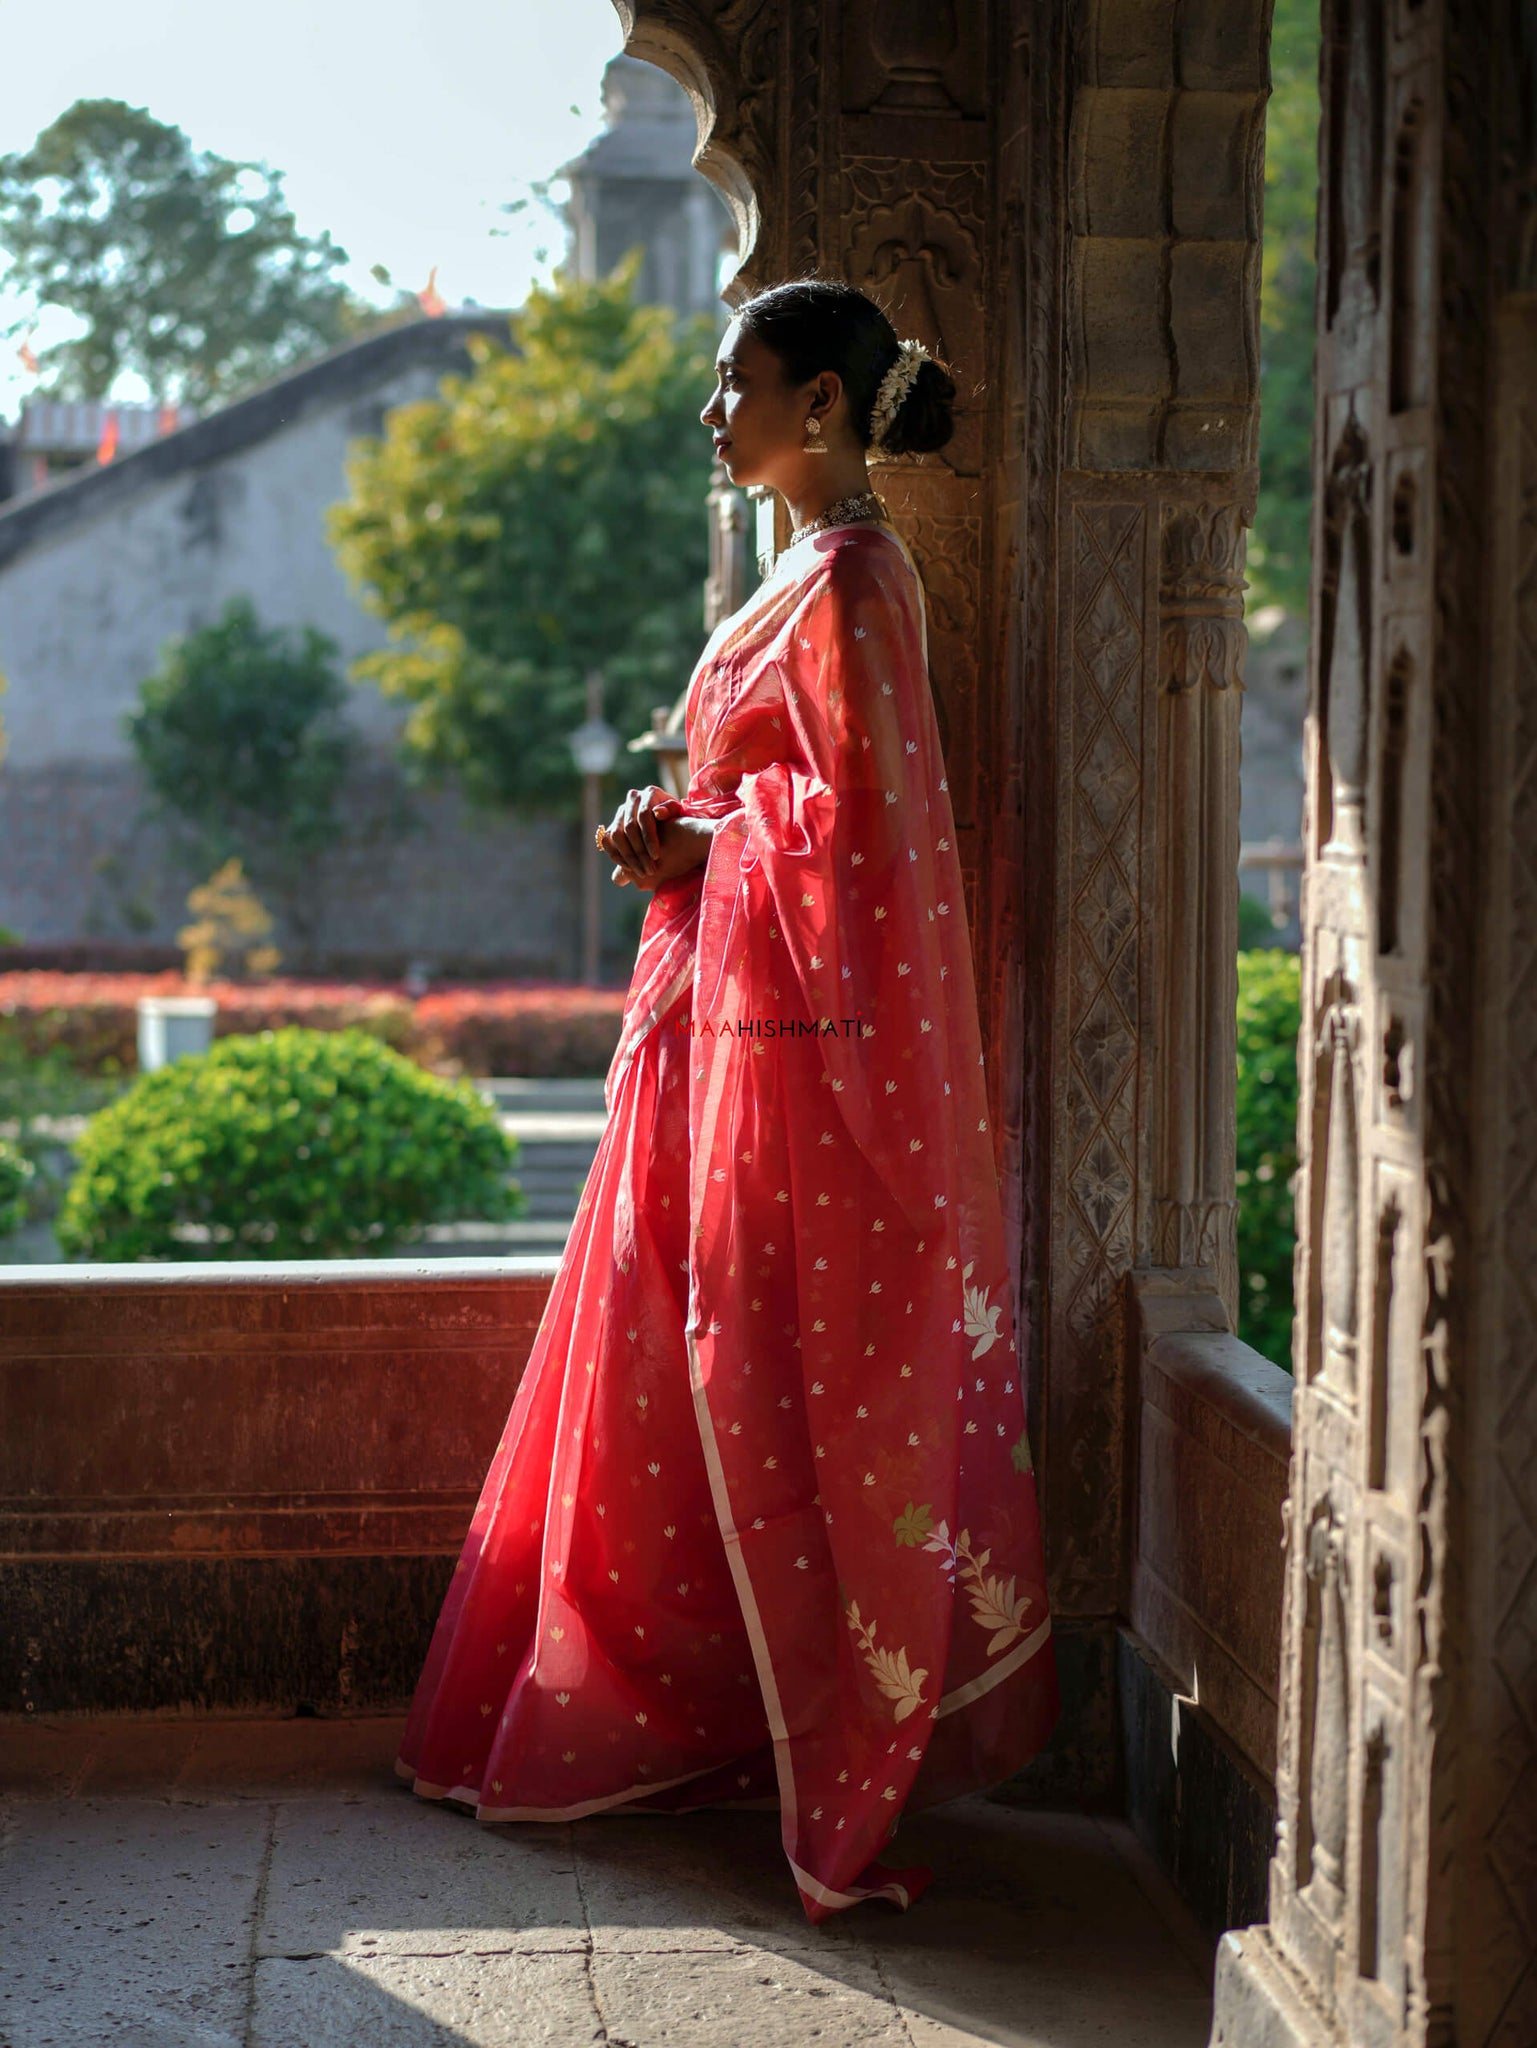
[1269, 1019]
[543, 518]
[185, 266]
[241, 738]
[1278, 549]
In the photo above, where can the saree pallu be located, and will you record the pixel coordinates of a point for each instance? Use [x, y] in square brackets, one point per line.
[763, 1519]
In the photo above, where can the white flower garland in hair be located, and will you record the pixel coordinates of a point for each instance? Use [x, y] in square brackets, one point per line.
[893, 388]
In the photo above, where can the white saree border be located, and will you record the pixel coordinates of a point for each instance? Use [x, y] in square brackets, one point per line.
[646, 1021]
[984, 1681]
[493, 1816]
[720, 1052]
[826, 1896]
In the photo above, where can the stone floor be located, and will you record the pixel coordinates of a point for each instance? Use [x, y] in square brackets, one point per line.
[229, 1884]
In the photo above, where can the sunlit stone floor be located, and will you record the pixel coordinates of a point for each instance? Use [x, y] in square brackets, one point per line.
[271, 1884]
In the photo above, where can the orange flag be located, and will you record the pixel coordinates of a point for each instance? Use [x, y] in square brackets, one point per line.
[430, 299]
[26, 356]
[106, 447]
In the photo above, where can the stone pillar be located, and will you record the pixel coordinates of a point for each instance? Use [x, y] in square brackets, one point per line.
[1402, 1904]
[1166, 108]
[1200, 672]
[726, 584]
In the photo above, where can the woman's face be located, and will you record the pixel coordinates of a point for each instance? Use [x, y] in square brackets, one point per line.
[759, 418]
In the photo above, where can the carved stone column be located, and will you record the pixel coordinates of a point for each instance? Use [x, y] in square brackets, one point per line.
[726, 585]
[1402, 1899]
[1200, 673]
[1166, 107]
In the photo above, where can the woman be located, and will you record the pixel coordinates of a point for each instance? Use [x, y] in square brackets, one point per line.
[763, 1518]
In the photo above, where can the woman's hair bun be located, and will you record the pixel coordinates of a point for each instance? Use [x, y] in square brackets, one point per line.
[925, 419]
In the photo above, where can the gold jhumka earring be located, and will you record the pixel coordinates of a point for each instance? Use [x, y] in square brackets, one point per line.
[814, 444]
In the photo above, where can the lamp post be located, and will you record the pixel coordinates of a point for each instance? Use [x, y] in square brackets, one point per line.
[594, 745]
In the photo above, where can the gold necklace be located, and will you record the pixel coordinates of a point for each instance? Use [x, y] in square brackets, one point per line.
[862, 505]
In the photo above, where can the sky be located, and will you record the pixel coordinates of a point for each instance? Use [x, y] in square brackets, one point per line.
[401, 127]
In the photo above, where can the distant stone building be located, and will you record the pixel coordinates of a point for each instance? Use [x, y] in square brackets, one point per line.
[101, 567]
[635, 186]
[57, 437]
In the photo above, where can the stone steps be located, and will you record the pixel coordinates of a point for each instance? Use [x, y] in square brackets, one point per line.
[557, 1124]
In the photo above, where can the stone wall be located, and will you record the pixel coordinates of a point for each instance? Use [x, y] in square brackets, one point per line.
[411, 877]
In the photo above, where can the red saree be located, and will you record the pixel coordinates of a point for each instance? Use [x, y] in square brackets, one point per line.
[763, 1518]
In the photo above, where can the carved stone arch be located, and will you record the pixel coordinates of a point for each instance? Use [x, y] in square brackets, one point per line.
[726, 58]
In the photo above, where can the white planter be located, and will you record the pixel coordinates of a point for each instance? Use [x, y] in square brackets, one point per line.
[172, 1025]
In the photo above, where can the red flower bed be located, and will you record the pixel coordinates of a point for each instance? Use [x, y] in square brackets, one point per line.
[498, 1028]
[510, 1030]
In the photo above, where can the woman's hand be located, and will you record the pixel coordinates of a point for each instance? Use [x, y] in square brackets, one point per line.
[683, 843]
[633, 836]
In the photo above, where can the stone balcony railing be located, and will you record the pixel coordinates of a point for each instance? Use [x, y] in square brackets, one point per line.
[229, 1487]
[241, 1489]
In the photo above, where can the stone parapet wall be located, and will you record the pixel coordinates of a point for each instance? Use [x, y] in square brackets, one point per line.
[243, 1487]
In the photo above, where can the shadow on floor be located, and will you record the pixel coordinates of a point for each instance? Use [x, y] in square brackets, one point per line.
[271, 1884]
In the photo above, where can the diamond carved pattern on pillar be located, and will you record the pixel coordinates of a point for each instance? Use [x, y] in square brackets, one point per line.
[1108, 652]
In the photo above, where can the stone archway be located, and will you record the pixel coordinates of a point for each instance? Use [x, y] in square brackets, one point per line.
[1067, 200]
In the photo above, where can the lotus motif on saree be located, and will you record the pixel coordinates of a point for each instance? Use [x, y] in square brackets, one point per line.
[762, 1524]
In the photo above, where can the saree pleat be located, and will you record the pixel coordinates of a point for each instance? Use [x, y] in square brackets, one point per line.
[763, 1518]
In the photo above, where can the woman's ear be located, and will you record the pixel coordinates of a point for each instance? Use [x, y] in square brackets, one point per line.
[825, 394]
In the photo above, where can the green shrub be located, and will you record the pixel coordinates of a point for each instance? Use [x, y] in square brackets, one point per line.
[16, 1175]
[1269, 1017]
[288, 1144]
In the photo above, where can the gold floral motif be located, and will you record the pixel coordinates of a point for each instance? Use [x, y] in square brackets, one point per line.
[981, 1321]
[994, 1603]
[889, 1667]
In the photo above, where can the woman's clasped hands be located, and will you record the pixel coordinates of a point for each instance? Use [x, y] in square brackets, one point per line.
[649, 843]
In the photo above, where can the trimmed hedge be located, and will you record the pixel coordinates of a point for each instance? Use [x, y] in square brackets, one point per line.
[288, 1144]
[545, 1029]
